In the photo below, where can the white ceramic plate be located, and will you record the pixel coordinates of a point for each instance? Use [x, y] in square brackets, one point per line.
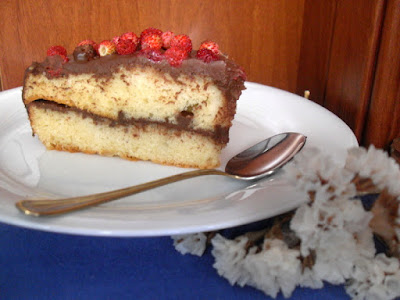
[27, 169]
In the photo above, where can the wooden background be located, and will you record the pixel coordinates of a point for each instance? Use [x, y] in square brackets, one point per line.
[346, 52]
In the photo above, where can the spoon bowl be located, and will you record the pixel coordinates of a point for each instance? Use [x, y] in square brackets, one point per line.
[256, 162]
[265, 157]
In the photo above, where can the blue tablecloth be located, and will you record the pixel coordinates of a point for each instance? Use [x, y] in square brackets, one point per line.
[44, 265]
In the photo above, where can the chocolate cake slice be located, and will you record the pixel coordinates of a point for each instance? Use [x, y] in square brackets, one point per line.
[136, 99]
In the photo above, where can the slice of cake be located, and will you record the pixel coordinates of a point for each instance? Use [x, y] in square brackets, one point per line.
[149, 98]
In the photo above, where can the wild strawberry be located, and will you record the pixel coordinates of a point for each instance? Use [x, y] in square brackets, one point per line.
[153, 54]
[85, 53]
[149, 31]
[124, 47]
[175, 56]
[106, 48]
[56, 50]
[130, 36]
[126, 43]
[166, 39]
[90, 42]
[207, 55]
[64, 58]
[182, 41]
[151, 41]
[213, 46]
[115, 39]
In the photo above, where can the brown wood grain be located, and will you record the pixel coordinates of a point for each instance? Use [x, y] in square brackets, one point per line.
[383, 119]
[355, 42]
[262, 36]
[316, 40]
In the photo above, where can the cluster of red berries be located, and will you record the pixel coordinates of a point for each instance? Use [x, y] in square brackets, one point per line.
[58, 50]
[152, 43]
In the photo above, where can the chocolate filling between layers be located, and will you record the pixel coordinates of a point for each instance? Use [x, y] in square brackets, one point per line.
[220, 134]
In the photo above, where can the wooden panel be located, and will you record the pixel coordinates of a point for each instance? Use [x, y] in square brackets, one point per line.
[352, 61]
[263, 36]
[317, 31]
[383, 124]
[395, 150]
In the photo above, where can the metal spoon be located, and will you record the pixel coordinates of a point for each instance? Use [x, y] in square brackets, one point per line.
[256, 162]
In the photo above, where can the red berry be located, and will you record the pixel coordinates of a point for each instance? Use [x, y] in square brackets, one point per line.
[182, 41]
[90, 42]
[166, 39]
[153, 54]
[125, 47]
[64, 58]
[56, 50]
[115, 39]
[151, 41]
[130, 36]
[175, 56]
[106, 48]
[84, 53]
[150, 31]
[211, 46]
[207, 55]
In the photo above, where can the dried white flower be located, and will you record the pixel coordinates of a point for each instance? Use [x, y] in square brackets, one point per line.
[229, 259]
[375, 278]
[312, 170]
[275, 268]
[377, 165]
[310, 279]
[335, 257]
[334, 229]
[194, 244]
[319, 223]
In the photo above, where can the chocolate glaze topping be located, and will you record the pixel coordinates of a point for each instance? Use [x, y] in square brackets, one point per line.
[84, 53]
[226, 74]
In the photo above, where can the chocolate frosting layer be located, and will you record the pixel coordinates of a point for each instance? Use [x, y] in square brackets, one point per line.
[226, 74]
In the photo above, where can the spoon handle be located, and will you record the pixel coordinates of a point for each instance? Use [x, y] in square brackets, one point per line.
[60, 206]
